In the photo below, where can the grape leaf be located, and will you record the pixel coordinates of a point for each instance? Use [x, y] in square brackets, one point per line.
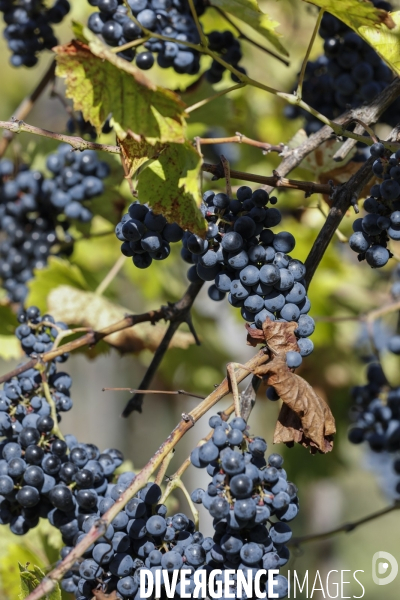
[386, 42]
[278, 336]
[249, 12]
[79, 307]
[31, 579]
[377, 27]
[10, 347]
[305, 417]
[8, 320]
[171, 186]
[136, 154]
[356, 13]
[58, 272]
[100, 83]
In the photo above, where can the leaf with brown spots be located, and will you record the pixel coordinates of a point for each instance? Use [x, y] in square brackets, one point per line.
[278, 336]
[171, 186]
[99, 83]
[305, 417]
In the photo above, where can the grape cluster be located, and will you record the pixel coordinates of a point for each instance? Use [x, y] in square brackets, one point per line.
[348, 74]
[29, 28]
[245, 259]
[41, 474]
[35, 212]
[382, 221]
[141, 536]
[376, 416]
[245, 493]
[170, 18]
[146, 236]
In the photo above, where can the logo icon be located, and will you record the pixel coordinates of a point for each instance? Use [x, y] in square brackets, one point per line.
[380, 565]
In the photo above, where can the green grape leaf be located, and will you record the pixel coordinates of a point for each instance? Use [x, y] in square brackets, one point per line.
[100, 83]
[356, 13]
[249, 12]
[171, 186]
[30, 581]
[58, 272]
[8, 320]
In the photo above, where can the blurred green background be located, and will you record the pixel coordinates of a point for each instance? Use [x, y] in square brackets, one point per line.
[333, 489]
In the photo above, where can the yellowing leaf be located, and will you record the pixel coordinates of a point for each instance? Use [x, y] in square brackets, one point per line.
[10, 347]
[377, 27]
[355, 13]
[171, 186]
[137, 154]
[386, 42]
[249, 12]
[100, 83]
[79, 307]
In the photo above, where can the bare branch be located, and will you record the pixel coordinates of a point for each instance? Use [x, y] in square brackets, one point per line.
[78, 143]
[239, 138]
[182, 316]
[274, 181]
[91, 338]
[345, 528]
[27, 104]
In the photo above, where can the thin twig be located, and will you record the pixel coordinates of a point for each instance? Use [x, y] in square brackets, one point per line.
[98, 529]
[168, 392]
[136, 402]
[227, 174]
[111, 275]
[214, 97]
[239, 138]
[244, 37]
[345, 528]
[27, 104]
[202, 36]
[93, 337]
[18, 126]
[163, 469]
[299, 91]
[309, 187]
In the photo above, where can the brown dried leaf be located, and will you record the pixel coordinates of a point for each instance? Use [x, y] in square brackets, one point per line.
[278, 336]
[87, 309]
[305, 417]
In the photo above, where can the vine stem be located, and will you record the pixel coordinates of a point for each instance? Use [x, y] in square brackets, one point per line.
[111, 275]
[98, 529]
[203, 37]
[47, 394]
[78, 143]
[243, 36]
[345, 528]
[92, 337]
[275, 180]
[214, 97]
[299, 90]
[239, 138]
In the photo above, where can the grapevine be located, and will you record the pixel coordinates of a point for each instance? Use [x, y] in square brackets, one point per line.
[243, 275]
